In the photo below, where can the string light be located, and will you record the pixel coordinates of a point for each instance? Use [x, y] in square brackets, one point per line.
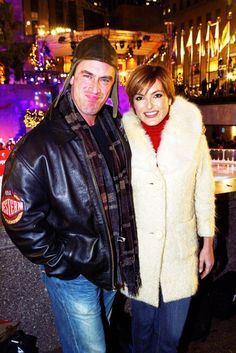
[33, 55]
[2, 78]
[33, 117]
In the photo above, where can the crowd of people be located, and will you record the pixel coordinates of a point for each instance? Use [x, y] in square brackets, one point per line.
[8, 145]
[219, 141]
[207, 89]
[106, 204]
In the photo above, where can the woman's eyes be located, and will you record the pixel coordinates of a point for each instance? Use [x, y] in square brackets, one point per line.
[158, 95]
[139, 98]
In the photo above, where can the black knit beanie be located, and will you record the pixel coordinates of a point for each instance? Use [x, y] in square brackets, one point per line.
[94, 48]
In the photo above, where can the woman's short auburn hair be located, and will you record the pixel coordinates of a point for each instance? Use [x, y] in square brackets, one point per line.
[145, 76]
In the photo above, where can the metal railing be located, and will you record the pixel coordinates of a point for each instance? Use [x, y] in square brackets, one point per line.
[223, 156]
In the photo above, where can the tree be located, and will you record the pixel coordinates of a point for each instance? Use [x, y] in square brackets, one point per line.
[12, 55]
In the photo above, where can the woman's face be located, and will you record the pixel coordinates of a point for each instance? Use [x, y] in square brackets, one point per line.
[152, 105]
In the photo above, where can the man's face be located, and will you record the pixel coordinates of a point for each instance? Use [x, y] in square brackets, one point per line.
[91, 86]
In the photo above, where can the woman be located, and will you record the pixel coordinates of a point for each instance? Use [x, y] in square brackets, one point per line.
[173, 190]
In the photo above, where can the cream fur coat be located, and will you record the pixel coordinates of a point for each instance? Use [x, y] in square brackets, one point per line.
[174, 201]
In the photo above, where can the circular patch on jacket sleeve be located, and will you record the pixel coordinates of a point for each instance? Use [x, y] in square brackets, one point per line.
[12, 207]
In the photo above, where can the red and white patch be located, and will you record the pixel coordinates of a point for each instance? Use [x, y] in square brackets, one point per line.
[12, 207]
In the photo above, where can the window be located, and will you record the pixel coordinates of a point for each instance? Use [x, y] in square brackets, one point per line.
[228, 7]
[34, 5]
[1, 33]
[59, 13]
[34, 26]
[218, 13]
[208, 17]
[34, 16]
[72, 15]
[198, 20]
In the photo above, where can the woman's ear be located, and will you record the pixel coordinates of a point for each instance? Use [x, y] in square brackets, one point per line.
[72, 79]
[170, 101]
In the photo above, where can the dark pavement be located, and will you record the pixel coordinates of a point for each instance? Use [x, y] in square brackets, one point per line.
[24, 298]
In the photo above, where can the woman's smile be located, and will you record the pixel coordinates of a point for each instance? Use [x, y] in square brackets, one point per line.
[151, 114]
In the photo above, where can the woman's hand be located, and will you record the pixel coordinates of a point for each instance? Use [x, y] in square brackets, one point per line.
[206, 257]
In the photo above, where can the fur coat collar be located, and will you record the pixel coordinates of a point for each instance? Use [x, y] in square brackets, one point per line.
[180, 137]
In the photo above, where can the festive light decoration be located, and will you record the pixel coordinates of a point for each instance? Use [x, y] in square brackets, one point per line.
[2, 78]
[42, 99]
[33, 117]
[41, 57]
[33, 55]
[59, 30]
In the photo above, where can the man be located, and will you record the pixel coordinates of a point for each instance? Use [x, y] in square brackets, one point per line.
[66, 200]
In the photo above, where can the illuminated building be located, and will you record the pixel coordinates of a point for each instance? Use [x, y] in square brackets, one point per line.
[206, 60]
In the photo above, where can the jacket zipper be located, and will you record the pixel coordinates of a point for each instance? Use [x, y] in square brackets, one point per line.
[108, 232]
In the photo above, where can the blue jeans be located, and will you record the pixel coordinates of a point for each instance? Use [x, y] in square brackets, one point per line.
[158, 330]
[80, 309]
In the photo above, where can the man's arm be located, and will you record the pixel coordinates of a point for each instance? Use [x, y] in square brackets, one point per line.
[25, 210]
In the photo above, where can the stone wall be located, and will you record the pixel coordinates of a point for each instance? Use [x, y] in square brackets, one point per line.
[219, 114]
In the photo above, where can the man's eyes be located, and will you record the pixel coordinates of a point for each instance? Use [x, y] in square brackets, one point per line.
[87, 75]
[105, 80]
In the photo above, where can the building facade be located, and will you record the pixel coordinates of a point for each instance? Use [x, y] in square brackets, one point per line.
[195, 32]
[73, 14]
[203, 38]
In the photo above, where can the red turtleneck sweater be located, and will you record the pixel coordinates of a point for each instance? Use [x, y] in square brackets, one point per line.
[154, 132]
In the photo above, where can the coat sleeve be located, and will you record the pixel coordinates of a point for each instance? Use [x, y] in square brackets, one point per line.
[204, 193]
[25, 210]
